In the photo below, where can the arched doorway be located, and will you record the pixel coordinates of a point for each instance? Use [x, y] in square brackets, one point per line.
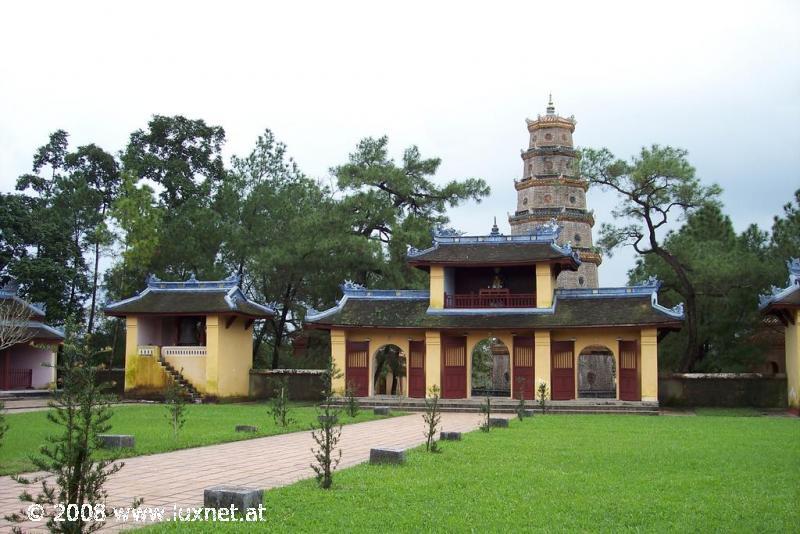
[491, 369]
[389, 371]
[597, 373]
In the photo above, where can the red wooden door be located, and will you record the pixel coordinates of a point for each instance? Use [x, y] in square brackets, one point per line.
[629, 371]
[416, 369]
[562, 370]
[523, 367]
[454, 367]
[356, 372]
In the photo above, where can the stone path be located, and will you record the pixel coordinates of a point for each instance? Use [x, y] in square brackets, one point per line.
[179, 477]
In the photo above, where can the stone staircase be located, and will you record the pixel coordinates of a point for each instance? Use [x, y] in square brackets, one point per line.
[191, 392]
[506, 405]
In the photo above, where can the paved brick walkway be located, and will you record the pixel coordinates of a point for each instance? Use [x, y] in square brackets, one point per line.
[179, 477]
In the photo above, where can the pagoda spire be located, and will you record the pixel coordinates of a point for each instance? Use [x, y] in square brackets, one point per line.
[495, 229]
[551, 108]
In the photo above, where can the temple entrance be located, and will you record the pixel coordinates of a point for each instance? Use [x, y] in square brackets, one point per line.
[523, 367]
[389, 371]
[597, 373]
[491, 372]
[562, 370]
[356, 371]
[416, 369]
[454, 367]
[629, 371]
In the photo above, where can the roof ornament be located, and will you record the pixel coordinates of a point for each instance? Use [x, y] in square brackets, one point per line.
[650, 281]
[349, 285]
[233, 279]
[152, 279]
[495, 230]
[551, 108]
[550, 229]
[442, 231]
[192, 279]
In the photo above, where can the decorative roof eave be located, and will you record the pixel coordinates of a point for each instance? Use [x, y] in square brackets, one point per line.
[230, 286]
[546, 233]
[648, 287]
[352, 290]
[773, 300]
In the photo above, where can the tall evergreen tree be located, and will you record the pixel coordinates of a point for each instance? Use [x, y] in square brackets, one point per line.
[397, 205]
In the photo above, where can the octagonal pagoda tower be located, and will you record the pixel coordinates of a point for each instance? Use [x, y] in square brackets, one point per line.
[551, 188]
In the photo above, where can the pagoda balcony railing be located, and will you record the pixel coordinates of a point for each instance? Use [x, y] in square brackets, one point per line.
[490, 298]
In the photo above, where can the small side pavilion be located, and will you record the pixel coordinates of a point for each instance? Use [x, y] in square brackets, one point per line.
[200, 332]
[784, 303]
[29, 363]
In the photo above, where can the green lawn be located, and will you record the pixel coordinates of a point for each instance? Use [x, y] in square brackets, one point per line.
[206, 424]
[565, 473]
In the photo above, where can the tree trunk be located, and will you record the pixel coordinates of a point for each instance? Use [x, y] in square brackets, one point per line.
[90, 327]
[692, 352]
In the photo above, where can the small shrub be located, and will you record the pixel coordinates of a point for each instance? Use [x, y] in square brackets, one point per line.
[70, 472]
[279, 405]
[327, 433]
[486, 409]
[541, 394]
[351, 401]
[521, 401]
[432, 418]
[175, 401]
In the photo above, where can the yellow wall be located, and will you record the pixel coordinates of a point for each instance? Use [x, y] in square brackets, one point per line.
[224, 372]
[433, 360]
[649, 364]
[545, 284]
[541, 360]
[582, 337]
[229, 360]
[793, 361]
[338, 353]
[437, 286]
[143, 374]
[193, 369]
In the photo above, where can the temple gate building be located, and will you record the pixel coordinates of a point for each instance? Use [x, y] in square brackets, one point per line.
[551, 188]
[528, 301]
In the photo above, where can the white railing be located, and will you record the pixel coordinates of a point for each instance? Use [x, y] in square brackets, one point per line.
[146, 350]
[183, 351]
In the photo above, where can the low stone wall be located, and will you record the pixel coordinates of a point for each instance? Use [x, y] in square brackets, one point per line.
[304, 384]
[723, 389]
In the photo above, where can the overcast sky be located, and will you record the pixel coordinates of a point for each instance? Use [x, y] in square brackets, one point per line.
[721, 79]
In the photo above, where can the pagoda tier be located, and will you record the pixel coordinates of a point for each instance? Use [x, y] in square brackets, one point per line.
[551, 188]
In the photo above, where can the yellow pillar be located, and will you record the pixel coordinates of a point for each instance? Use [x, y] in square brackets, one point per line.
[793, 361]
[131, 351]
[649, 361]
[433, 360]
[544, 285]
[339, 355]
[541, 360]
[437, 286]
[212, 354]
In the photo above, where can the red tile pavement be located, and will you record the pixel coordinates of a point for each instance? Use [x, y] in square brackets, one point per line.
[179, 478]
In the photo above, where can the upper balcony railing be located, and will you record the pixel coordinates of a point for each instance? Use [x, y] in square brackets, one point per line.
[490, 298]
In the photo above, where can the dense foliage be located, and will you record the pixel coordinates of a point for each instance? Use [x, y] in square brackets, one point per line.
[170, 205]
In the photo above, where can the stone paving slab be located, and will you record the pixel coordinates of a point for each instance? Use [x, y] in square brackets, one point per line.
[179, 477]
